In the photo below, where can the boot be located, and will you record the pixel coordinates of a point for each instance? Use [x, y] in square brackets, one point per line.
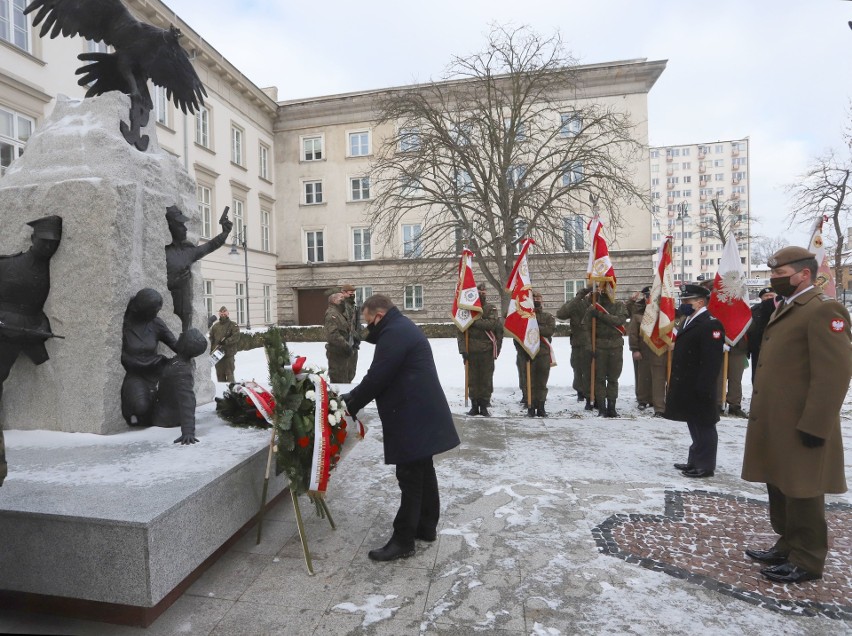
[736, 411]
[531, 409]
[581, 397]
[483, 408]
[610, 409]
[540, 410]
[474, 407]
[589, 406]
[601, 407]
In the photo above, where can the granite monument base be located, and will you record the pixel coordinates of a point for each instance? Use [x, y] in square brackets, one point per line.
[110, 527]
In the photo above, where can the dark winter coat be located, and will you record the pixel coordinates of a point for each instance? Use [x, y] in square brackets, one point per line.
[696, 362]
[403, 380]
[760, 315]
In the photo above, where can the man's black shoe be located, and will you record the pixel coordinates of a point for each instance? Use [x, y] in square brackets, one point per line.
[789, 573]
[474, 407]
[427, 536]
[589, 406]
[580, 397]
[684, 466]
[771, 556]
[539, 411]
[610, 409]
[736, 411]
[483, 409]
[642, 406]
[697, 473]
[391, 552]
[659, 415]
[531, 411]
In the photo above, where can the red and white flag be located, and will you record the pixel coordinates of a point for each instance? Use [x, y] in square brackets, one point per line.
[729, 299]
[467, 306]
[658, 321]
[521, 322]
[600, 269]
[824, 278]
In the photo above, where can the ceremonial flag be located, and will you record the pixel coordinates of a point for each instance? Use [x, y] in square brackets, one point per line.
[658, 321]
[729, 299]
[824, 278]
[466, 304]
[600, 267]
[521, 322]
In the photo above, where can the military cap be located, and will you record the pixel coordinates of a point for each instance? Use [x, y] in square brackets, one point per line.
[347, 287]
[481, 287]
[646, 291]
[174, 214]
[694, 291]
[223, 308]
[787, 255]
[765, 290]
[48, 227]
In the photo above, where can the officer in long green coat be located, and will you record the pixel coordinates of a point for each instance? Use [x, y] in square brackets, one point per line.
[480, 351]
[610, 317]
[338, 346]
[540, 365]
[581, 356]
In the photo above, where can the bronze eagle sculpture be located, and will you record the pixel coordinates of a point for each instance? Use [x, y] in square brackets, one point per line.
[141, 52]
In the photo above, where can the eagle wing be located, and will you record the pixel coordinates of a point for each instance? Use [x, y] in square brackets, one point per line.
[99, 20]
[168, 66]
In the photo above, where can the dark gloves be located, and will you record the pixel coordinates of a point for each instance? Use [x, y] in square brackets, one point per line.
[464, 356]
[345, 399]
[811, 441]
[355, 346]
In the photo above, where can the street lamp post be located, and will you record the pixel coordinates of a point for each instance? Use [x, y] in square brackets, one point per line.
[240, 241]
[682, 216]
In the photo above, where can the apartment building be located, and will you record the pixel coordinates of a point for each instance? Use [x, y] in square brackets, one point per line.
[686, 181]
[228, 146]
[324, 148]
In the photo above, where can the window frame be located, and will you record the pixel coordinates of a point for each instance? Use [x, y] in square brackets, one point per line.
[240, 301]
[351, 189]
[267, 304]
[265, 229]
[318, 247]
[354, 231]
[15, 142]
[203, 127]
[205, 208]
[313, 183]
[576, 284]
[369, 148]
[238, 145]
[412, 247]
[13, 29]
[303, 157]
[567, 129]
[413, 297]
[263, 161]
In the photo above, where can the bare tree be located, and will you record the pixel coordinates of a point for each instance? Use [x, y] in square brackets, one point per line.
[503, 148]
[724, 219]
[824, 189]
[763, 247]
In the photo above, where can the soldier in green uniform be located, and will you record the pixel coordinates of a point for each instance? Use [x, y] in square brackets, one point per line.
[608, 351]
[540, 371]
[225, 335]
[651, 372]
[574, 311]
[353, 315]
[338, 330]
[482, 349]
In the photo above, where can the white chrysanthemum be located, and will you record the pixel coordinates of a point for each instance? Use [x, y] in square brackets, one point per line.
[332, 419]
[311, 395]
[332, 405]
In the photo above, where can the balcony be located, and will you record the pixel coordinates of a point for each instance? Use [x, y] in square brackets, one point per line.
[735, 196]
[671, 213]
[669, 171]
[702, 169]
[735, 151]
[669, 186]
[701, 154]
[734, 180]
[669, 158]
[703, 197]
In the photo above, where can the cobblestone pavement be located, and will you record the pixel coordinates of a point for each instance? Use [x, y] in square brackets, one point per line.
[703, 536]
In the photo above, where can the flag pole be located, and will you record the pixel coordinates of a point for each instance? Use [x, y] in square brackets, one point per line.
[724, 379]
[594, 339]
[466, 353]
[668, 368]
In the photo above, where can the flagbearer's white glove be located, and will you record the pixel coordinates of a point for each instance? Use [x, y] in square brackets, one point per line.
[726, 347]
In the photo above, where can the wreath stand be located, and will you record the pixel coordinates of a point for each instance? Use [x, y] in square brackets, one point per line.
[322, 508]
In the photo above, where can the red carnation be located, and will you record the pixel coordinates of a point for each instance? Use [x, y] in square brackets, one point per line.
[334, 449]
[304, 441]
[341, 435]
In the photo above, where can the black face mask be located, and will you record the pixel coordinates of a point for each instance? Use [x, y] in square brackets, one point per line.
[686, 309]
[782, 286]
[483, 298]
[372, 332]
[537, 305]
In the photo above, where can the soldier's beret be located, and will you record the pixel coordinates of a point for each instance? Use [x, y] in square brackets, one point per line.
[787, 255]
[173, 213]
[347, 287]
[47, 227]
[765, 290]
[694, 291]
[223, 308]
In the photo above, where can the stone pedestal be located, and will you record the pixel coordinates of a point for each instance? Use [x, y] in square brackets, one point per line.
[112, 199]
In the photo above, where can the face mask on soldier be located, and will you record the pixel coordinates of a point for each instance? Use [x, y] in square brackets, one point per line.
[782, 286]
[686, 309]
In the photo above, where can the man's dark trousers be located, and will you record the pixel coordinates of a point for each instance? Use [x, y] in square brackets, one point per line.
[420, 506]
[705, 441]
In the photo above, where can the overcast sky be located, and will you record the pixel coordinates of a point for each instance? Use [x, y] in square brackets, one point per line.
[776, 71]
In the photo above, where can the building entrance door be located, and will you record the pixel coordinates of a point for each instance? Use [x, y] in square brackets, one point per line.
[312, 306]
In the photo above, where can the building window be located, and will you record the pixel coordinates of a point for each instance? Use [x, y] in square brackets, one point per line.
[412, 246]
[237, 136]
[263, 157]
[572, 124]
[520, 130]
[572, 287]
[515, 176]
[313, 192]
[205, 210]
[738, 176]
[202, 127]
[264, 230]
[361, 249]
[413, 297]
[359, 144]
[161, 105]
[208, 297]
[311, 148]
[15, 131]
[15, 29]
[315, 246]
[362, 293]
[409, 139]
[239, 217]
[267, 304]
[464, 183]
[573, 233]
[573, 174]
[359, 188]
[240, 298]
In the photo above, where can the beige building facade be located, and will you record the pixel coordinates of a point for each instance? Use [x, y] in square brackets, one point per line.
[228, 147]
[324, 149]
[689, 178]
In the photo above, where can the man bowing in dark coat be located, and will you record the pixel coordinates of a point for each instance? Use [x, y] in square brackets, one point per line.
[693, 386]
[415, 416]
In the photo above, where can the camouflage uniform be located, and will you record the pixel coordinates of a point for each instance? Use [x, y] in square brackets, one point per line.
[225, 334]
[480, 357]
[609, 345]
[651, 377]
[581, 356]
[540, 371]
[4, 469]
[338, 351]
[352, 316]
